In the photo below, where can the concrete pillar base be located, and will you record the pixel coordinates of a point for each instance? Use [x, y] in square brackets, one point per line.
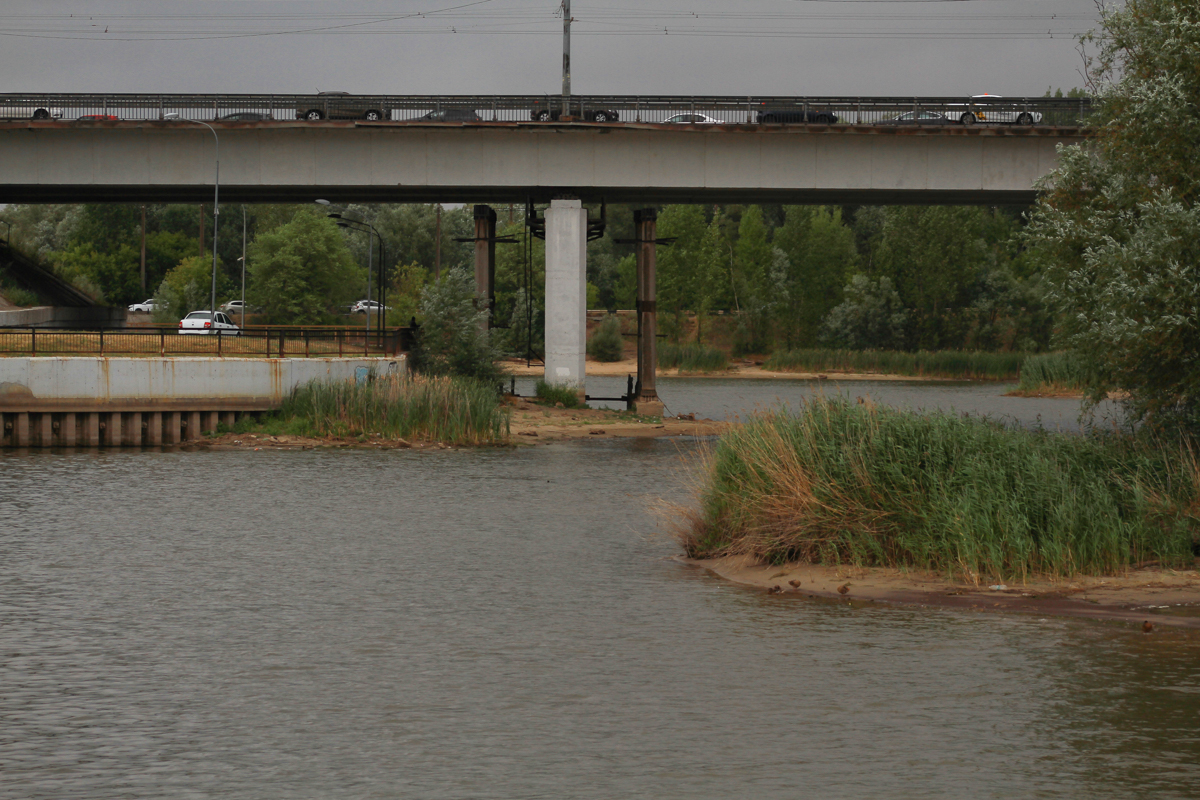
[154, 429]
[45, 430]
[229, 418]
[566, 293]
[91, 430]
[133, 430]
[648, 408]
[192, 432]
[174, 424]
[114, 434]
[209, 421]
[21, 431]
[67, 431]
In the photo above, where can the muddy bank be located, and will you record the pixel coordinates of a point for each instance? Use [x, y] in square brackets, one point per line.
[530, 424]
[1166, 598]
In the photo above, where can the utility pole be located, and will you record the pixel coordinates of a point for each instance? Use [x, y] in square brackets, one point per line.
[566, 88]
[143, 249]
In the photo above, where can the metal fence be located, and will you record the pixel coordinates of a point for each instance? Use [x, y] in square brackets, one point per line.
[1049, 111]
[168, 341]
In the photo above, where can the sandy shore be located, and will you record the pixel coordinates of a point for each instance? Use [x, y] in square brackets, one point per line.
[739, 369]
[1165, 598]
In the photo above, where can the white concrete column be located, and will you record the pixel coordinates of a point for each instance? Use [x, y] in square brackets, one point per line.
[566, 292]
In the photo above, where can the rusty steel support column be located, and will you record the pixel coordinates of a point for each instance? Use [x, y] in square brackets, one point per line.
[485, 257]
[646, 402]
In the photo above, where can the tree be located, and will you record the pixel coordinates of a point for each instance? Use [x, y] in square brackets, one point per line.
[872, 317]
[820, 251]
[1117, 223]
[453, 338]
[300, 272]
[187, 288]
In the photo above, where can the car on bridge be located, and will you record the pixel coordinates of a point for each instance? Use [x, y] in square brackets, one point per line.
[365, 306]
[993, 108]
[245, 116]
[543, 111]
[145, 307]
[693, 119]
[790, 115]
[208, 322]
[452, 115]
[918, 118]
[28, 111]
[340, 105]
[98, 118]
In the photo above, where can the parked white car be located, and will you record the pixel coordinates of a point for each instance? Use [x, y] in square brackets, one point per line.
[28, 111]
[363, 306]
[146, 306]
[208, 322]
[993, 108]
[235, 307]
[693, 119]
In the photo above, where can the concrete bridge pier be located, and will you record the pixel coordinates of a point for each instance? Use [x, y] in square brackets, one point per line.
[645, 226]
[566, 293]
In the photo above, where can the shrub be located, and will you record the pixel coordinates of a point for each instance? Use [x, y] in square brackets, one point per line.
[606, 343]
[445, 409]
[553, 393]
[837, 483]
[1051, 372]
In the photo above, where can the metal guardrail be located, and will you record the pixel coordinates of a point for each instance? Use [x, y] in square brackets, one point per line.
[1052, 111]
[168, 341]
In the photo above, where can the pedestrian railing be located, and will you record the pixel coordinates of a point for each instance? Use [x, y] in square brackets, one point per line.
[277, 342]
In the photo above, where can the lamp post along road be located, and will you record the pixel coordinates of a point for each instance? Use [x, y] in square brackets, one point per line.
[212, 309]
[343, 222]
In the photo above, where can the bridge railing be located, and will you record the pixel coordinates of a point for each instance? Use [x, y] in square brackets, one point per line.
[275, 342]
[1063, 112]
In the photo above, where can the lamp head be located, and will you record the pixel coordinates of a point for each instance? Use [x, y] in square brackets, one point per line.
[171, 115]
[321, 202]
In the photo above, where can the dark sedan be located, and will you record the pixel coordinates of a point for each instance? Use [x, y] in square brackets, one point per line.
[452, 115]
[340, 105]
[918, 118]
[245, 116]
[777, 115]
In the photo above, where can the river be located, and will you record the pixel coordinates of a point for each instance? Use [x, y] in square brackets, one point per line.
[512, 624]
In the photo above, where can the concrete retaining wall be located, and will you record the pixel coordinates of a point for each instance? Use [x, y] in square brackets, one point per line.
[91, 402]
[63, 317]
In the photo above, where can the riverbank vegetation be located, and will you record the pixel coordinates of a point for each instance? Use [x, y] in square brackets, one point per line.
[838, 483]
[691, 357]
[444, 409]
[955, 365]
[1051, 374]
[554, 394]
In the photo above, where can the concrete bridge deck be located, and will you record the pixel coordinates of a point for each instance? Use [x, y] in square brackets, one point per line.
[172, 161]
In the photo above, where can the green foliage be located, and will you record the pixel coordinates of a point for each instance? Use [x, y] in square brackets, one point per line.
[302, 271]
[836, 483]
[952, 364]
[606, 342]
[1052, 372]
[187, 288]
[22, 298]
[445, 409]
[1118, 227]
[691, 357]
[819, 253]
[408, 282]
[554, 393]
[872, 317]
[116, 273]
[453, 338]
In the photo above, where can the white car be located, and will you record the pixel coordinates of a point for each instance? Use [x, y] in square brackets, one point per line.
[28, 111]
[993, 108]
[693, 119]
[208, 322]
[236, 307]
[363, 306]
[146, 306]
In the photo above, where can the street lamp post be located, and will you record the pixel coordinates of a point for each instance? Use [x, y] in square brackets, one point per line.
[212, 309]
[343, 222]
[243, 260]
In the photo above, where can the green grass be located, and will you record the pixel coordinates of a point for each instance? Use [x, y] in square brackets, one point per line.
[836, 483]
[553, 393]
[443, 409]
[1051, 372]
[938, 364]
[691, 357]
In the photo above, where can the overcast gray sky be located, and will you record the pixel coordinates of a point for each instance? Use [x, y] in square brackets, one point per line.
[787, 47]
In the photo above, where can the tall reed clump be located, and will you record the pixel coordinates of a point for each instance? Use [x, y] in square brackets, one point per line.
[553, 393]
[691, 357]
[836, 483]
[1048, 373]
[434, 408]
[928, 364]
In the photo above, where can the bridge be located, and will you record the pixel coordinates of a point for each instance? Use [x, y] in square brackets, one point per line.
[127, 148]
